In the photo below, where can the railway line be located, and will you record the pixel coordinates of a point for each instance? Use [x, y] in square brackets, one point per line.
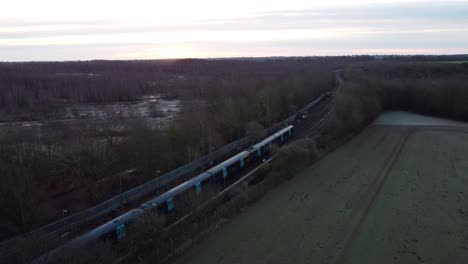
[63, 228]
[311, 128]
[322, 109]
[308, 128]
[321, 112]
[317, 116]
[396, 193]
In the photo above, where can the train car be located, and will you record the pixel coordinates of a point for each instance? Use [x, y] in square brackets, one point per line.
[113, 230]
[288, 134]
[222, 172]
[262, 149]
[167, 202]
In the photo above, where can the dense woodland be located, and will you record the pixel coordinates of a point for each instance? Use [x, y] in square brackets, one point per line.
[370, 88]
[71, 168]
[223, 100]
[436, 89]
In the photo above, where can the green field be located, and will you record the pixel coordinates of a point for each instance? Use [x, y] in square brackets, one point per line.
[394, 194]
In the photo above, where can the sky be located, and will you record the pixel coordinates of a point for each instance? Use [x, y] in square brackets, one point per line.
[51, 30]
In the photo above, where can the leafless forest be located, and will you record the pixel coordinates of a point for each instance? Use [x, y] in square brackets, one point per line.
[412, 84]
[64, 167]
[70, 167]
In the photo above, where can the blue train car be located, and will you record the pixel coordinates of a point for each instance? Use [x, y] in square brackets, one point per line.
[167, 202]
[231, 166]
[113, 230]
[262, 149]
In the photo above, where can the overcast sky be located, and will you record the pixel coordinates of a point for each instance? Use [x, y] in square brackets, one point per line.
[152, 29]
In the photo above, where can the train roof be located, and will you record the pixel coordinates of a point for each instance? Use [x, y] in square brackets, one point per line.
[210, 172]
[108, 227]
[272, 137]
[135, 213]
[153, 203]
[190, 183]
[244, 154]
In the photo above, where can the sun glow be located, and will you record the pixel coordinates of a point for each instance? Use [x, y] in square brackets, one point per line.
[163, 52]
[53, 29]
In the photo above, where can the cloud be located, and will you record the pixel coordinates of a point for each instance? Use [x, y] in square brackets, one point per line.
[431, 27]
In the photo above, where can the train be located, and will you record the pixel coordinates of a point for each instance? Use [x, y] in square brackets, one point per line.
[167, 202]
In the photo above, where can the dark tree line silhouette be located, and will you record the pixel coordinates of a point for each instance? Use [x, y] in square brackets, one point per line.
[437, 89]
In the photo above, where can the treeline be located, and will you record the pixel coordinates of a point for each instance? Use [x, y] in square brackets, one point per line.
[41, 88]
[35, 90]
[421, 58]
[437, 89]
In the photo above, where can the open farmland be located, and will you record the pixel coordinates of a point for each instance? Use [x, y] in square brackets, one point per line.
[393, 194]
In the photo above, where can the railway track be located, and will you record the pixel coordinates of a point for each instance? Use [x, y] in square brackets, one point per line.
[318, 115]
[63, 228]
[320, 112]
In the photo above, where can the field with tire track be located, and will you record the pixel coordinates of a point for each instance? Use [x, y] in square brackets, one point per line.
[393, 194]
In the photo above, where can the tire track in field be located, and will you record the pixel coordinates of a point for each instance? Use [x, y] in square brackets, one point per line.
[374, 193]
[341, 243]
